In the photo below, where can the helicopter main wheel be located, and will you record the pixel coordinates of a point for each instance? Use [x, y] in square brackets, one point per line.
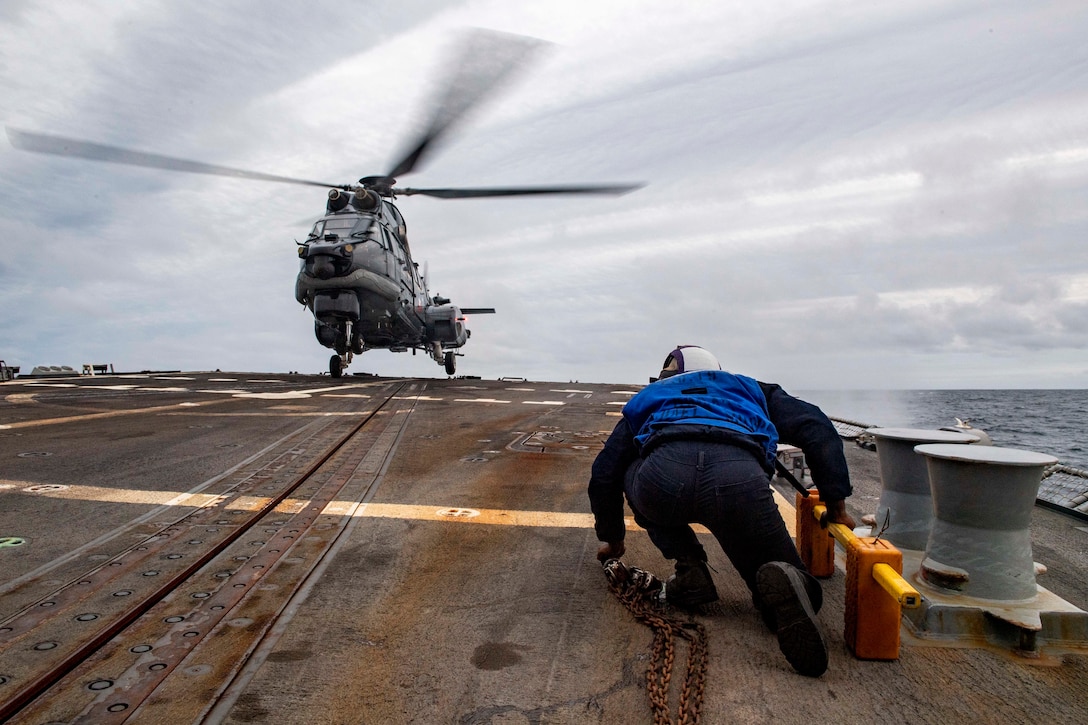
[451, 363]
[336, 366]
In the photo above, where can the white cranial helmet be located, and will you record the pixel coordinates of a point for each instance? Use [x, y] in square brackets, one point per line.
[685, 359]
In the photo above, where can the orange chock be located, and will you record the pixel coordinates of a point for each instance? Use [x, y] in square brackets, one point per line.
[872, 615]
[814, 543]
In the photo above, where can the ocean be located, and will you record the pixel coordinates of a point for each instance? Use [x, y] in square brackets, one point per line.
[1045, 421]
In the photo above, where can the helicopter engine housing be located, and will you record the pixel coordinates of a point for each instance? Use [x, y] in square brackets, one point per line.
[365, 200]
[337, 201]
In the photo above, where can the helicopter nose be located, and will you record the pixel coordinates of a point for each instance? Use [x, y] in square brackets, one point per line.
[322, 267]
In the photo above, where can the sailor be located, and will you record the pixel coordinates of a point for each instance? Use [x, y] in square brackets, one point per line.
[698, 445]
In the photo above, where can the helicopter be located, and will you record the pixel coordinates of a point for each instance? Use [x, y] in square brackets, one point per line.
[356, 272]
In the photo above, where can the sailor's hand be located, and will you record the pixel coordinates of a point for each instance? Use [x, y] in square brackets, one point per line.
[836, 514]
[610, 550]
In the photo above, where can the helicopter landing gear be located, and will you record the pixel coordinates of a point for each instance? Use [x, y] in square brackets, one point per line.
[450, 362]
[338, 364]
[353, 340]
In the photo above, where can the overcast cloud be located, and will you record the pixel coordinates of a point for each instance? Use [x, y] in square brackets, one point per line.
[839, 194]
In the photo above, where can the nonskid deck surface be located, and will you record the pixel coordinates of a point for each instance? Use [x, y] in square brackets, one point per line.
[396, 551]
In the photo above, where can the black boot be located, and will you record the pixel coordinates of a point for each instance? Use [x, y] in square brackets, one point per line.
[815, 597]
[782, 589]
[691, 585]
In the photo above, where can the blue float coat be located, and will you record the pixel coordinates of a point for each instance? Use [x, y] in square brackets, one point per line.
[704, 397]
[795, 421]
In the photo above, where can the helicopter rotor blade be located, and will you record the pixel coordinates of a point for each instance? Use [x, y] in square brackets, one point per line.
[486, 59]
[520, 191]
[61, 146]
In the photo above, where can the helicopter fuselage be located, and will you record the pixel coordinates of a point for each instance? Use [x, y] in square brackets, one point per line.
[358, 279]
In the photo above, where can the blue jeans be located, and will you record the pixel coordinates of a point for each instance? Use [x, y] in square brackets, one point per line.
[718, 485]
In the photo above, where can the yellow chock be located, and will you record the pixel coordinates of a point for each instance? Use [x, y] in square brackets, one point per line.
[876, 591]
[873, 571]
[814, 543]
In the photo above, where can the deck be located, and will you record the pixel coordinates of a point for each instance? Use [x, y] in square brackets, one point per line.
[241, 548]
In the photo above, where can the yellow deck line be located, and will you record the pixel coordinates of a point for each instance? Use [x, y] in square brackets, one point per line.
[417, 512]
[507, 517]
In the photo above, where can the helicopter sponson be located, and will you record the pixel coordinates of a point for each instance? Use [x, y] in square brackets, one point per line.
[446, 325]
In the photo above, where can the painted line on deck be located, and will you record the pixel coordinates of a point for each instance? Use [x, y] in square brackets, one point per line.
[284, 395]
[508, 517]
[415, 512]
[108, 414]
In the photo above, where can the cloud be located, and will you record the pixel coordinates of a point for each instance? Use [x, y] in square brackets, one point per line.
[839, 193]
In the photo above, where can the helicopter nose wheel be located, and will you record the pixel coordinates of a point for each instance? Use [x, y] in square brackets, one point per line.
[451, 363]
[338, 364]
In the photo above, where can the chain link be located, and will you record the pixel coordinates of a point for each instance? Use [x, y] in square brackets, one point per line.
[639, 591]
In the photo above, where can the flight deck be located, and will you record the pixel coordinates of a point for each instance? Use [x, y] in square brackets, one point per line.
[240, 548]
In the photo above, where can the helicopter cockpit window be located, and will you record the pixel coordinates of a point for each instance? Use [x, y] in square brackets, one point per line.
[339, 227]
[363, 230]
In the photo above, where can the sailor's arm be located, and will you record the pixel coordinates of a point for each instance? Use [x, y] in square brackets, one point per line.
[804, 425]
[606, 490]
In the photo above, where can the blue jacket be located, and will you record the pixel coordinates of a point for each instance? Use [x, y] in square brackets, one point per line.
[795, 421]
[704, 397]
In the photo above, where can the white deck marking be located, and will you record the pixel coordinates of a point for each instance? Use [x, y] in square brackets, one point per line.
[289, 395]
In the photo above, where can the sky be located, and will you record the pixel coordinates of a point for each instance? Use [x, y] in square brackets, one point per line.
[838, 195]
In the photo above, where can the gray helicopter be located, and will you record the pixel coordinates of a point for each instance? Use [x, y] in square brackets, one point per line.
[356, 272]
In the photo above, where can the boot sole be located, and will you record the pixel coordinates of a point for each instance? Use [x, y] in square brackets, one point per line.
[783, 589]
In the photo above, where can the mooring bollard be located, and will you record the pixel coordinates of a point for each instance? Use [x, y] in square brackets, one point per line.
[980, 541]
[905, 500]
[876, 591]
